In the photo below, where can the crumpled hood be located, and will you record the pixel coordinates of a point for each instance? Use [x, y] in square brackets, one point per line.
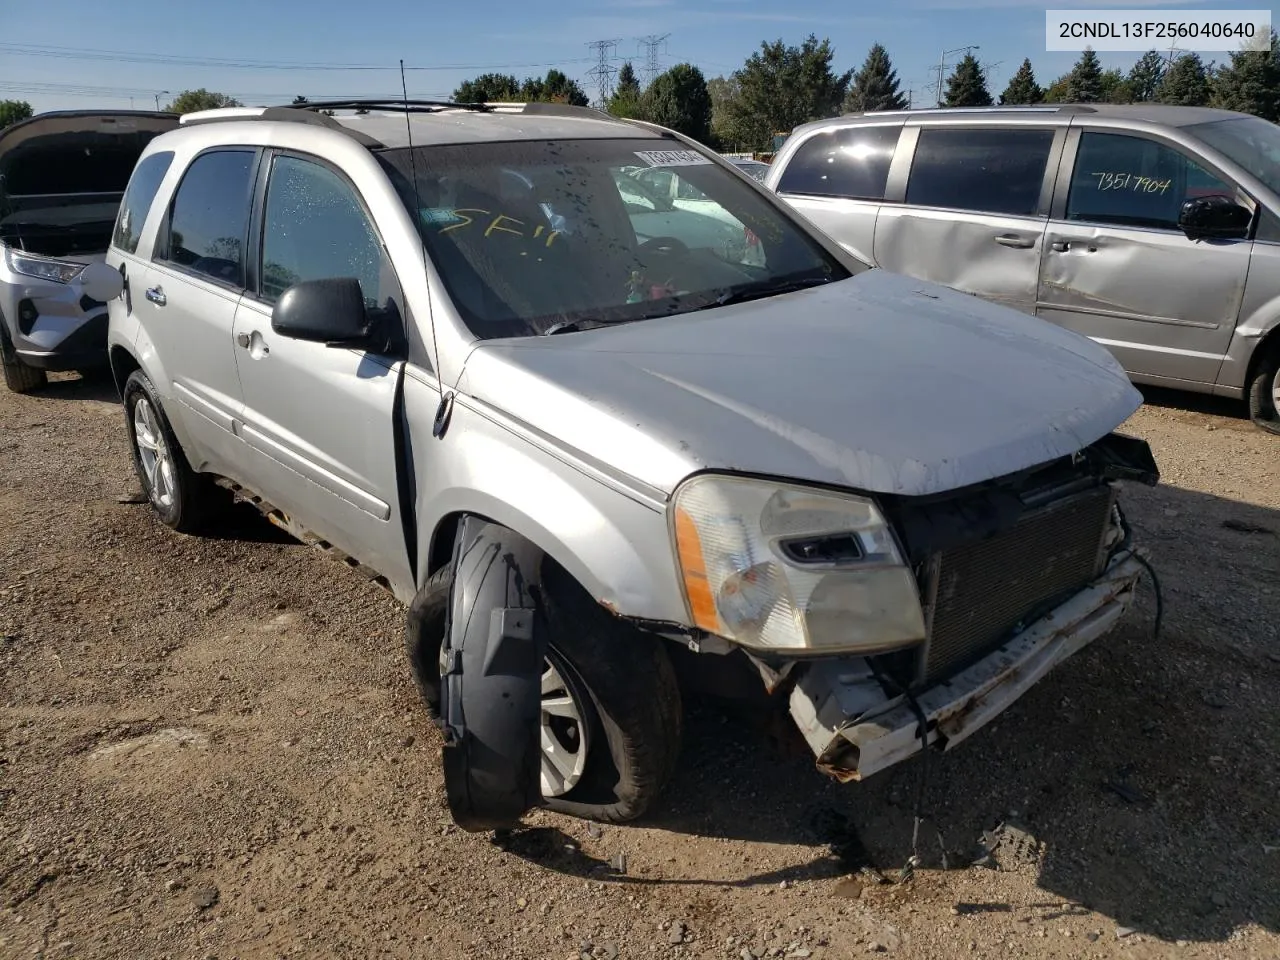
[879, 383]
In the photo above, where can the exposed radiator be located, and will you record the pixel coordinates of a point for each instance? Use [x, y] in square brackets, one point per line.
[984, 590]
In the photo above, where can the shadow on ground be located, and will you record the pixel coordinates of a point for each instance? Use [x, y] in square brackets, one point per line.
[98, 386]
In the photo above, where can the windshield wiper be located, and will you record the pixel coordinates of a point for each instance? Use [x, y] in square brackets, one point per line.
[758, 291]
[573, 326]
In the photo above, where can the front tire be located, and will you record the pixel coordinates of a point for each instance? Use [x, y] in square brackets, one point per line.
[1264, 391]
[18, 377]
[612, 717]
[181, 498]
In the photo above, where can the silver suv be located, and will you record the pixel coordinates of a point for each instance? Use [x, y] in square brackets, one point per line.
[428, 336]
[61, 179]
[1153, 229]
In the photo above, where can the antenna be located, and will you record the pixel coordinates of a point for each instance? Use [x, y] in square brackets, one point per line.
[651, 44]
[603, 71]
[437, 429]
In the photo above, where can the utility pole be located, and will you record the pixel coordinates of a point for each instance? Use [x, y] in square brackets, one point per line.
[942, 64]
[603, 71]
[651, 44]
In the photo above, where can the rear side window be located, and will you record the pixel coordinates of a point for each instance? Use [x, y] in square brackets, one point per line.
[852, 162]
[1135, 182]
[210, 216]
[983, 170]
[143, 186]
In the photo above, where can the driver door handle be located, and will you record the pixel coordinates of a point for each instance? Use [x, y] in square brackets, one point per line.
[242, 339]
[156, 296]
[1060, 246]
[1016, 241]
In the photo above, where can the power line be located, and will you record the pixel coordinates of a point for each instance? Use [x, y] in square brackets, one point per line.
[651, 45]
[604, 71]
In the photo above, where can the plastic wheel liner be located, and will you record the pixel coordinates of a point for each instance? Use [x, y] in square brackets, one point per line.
[490, 691]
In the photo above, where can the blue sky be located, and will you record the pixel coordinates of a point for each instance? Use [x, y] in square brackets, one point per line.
[319, 39]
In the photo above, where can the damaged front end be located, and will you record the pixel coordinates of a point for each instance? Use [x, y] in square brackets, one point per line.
[1014, 576]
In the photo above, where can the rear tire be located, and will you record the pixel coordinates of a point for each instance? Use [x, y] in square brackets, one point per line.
[621, 680]
[18, 377]
[181, 498]
[1264, 390]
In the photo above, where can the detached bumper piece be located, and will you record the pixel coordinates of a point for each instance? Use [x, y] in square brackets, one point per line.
[856, 729]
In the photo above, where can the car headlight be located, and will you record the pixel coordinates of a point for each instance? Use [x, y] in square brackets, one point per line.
[43, 268]
[792, 570]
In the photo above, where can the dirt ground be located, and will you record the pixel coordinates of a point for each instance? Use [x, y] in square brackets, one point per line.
[212, 748]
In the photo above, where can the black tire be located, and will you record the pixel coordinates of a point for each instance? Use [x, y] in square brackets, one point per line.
[1261, 391]
[18, 377]
[622, 679]
[193, 498]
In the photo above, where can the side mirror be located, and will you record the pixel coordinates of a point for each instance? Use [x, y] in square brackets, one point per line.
[101, 282]
[1214, 218]
[327, 311]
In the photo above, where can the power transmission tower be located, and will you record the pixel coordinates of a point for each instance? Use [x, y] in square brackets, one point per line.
[651, 45]
[604, 70]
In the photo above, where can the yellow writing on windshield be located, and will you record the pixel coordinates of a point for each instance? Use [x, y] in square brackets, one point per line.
[501, 223]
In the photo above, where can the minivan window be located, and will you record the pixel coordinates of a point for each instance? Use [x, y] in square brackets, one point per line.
[852, 162]
[980, 169]
[141, 193]
[1251, 142]
[1136, 182]
[586, 242]
[210, 216]
[314, 228]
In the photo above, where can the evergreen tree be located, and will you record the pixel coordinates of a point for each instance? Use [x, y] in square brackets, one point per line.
[1145, 77]
[1186, 82]
[679, 99]
[875, 86]
[1056, 92]
[625, 101]
[1251, 83]
[1084, 82]
[967, 85]
[1022, 88]
[1115, 87]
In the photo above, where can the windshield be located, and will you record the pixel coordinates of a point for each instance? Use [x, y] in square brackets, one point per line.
[1251, 142]
[531, 235]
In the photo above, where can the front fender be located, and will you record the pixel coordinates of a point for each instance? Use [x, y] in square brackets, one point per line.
[616, 546]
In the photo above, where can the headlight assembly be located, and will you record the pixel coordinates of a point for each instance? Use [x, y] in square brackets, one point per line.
[43, 268]
[792, 570]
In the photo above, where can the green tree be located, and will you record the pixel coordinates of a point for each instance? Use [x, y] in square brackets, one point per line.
[679, 99]
[781, 87]
[1084, 82]
[1115, 87]
[967, 85]
[625, 101]
[1186, 82]
[555, 87]
[1022, 88]
[1251, 83]
[13, 111]
[724, 92]
[1145, 77]
[1057, 91]
[189, 101]
[875, 85]
[488, 88]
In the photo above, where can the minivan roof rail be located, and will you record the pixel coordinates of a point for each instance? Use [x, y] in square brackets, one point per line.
[951, 111]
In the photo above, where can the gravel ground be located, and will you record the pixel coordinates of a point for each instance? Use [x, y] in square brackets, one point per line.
[212, 748]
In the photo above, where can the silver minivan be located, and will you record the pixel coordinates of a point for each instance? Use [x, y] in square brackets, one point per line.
[1153, 229]
[598, 465]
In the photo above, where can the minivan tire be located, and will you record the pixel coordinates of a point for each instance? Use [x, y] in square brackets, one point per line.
[632, 699]
[186, 500]
[18, 376]
[1262, 390]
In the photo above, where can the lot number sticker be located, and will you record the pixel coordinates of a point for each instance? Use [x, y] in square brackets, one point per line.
[672, 158]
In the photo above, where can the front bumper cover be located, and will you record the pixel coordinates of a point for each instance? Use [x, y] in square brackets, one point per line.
[855, 729]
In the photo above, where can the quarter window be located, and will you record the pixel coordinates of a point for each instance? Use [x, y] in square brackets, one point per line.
[211, 214]
[980, 169]
[144, 184]
[314, 228]
[852, 162]
[1136, 182]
